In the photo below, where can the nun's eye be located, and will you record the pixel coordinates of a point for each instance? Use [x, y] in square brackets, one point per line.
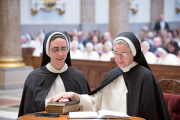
[64, 50]
[56, 51]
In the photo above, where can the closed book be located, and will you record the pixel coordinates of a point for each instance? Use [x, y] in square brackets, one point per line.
[63, 104]
[62, 109]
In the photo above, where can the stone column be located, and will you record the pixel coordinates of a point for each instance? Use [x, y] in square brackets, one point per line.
[12, 70]
[10, 43]
[118, 17]
[87, 15]
[157, 8]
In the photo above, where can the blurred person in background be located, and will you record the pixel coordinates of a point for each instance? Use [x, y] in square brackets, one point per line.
[157, 42]
[175, 35]
[150, 57]
[163, 35]
[142, 35]
[23, 41]
[89, 54]
[89, 38]
[107, 37]
[97, 44]
[75, 52]
[161, 24]
[150, 37]
[80, 45]
[166, 58]
[168, 39]
[173, 47]
[39, 43]
[30, 42]
[108, 52]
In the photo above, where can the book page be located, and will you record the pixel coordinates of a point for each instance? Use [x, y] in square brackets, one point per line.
[89, 114]
[112, 114]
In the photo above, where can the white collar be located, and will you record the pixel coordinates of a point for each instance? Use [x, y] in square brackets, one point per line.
[126, 69]
[52, 69]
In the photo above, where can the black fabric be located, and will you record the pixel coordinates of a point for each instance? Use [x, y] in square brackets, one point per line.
[39, 82]
[45, 57]
[139, 58]
[144, 97]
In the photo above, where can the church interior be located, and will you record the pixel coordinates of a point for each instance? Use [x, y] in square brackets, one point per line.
[91, 27]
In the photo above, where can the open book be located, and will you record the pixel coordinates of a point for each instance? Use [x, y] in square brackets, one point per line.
[97, 115]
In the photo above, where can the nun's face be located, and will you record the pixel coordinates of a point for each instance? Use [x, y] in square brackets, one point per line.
[144, 48]
[107, 47]
[58, 53]
[89, 48]
[121, 60]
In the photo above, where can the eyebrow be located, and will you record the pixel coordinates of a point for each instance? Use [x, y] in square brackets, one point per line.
[58, 47]
[121, 52]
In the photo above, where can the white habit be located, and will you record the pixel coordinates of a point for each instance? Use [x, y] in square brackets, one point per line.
[107, 56]
[58, 85]
[111, 97]
[170, 59]
[93, 55]
[77, 54]
[150, 58]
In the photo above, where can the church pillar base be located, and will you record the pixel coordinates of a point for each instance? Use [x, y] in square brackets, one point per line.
[13, 78]
[11, 63]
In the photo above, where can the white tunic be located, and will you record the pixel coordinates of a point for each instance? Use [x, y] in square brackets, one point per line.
[170, 59]
[58, 85]
[107, 56]
[150, 58]
[93, 55]
[77, 54]
[111, 97]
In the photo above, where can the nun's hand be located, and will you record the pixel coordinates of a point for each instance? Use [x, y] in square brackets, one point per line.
[65, 97]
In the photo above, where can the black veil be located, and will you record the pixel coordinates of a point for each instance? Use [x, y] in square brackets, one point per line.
[45, 57]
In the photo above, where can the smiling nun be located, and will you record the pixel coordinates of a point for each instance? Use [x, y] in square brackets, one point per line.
[54, 76]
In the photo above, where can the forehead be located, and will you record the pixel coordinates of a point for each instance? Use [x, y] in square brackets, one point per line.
[58, 42]
[121, 48]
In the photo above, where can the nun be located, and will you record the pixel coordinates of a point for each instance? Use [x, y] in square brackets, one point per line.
[89, 54]
[131, 87]
[108, 52]
[75, 52]
[150, 57]
[166, 58]
[54, 76]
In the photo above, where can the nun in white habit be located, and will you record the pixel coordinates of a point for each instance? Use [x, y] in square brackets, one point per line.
[166, 58]
[131, 87]
[75, 52]
[150, 57]
[109, 53]
[89, 54]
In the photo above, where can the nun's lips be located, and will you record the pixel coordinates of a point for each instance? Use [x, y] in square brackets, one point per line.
[59, 59]
[120, 62]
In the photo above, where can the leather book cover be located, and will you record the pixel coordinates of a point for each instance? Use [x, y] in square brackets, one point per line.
[62, 109]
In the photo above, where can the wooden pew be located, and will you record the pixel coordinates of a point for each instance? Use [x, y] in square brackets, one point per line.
[27, 55]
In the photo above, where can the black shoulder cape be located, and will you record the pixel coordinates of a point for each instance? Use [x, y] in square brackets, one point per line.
[39, 82]
[144, 97]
